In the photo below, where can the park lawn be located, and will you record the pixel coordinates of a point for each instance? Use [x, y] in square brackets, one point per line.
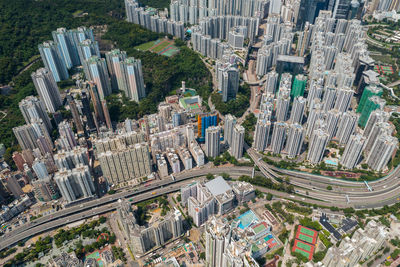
[145, 46]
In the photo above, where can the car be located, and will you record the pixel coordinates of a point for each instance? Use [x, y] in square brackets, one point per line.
[153, 193]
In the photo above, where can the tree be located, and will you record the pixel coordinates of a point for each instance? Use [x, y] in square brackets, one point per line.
[329, 187]
[209, 176]
[348, 211]
[202, 255]
[319, 256]
[217, 161]
[259, 194]
[225, 176]
[395, 253]
[364, 166]
[102, 219]
[300, 257]
[269, 196]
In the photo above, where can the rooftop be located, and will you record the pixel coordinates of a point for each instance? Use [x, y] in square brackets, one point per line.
[218, 186]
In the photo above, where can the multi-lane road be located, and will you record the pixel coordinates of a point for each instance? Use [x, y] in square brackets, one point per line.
[108, 203]
[342, 193]
[385, 191]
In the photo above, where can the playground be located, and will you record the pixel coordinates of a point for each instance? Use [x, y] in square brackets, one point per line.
[163, 47]
[96, 255]
[246, 219]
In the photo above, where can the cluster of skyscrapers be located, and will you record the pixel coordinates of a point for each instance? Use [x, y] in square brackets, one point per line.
[332, 75]
[70, 166]
[153, 22]
[124, 159]
[76, 47]
[277, 40]
[363, 243]
[214, 197]
[229, 245]
[144, 238]
[116, 73]
[206, 37]
[227, 75]
[193, 12]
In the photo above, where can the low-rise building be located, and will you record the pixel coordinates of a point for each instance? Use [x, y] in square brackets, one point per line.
[16, 207]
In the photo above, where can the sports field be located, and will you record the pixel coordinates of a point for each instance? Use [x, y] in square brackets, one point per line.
[163, 47]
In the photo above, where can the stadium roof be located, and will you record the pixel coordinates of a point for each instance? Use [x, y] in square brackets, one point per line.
[218, 186]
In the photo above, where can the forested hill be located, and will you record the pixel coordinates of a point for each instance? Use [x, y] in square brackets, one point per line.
[26, 23]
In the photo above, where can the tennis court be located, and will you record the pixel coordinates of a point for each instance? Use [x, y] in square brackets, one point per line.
[170, 51]
[194, 106]
[304, 246]
[384, 69]
[303, 253]
[306, 238]
[307, 231]
[305, 241]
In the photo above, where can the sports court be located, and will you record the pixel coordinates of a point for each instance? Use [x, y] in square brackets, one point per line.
[306, 234]
[305, 241]
[246, 219]
[384, 69]
[163, 47]
[303, 248]
[268, 237]
[305, 238]
[303, 252]
[96, 255]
